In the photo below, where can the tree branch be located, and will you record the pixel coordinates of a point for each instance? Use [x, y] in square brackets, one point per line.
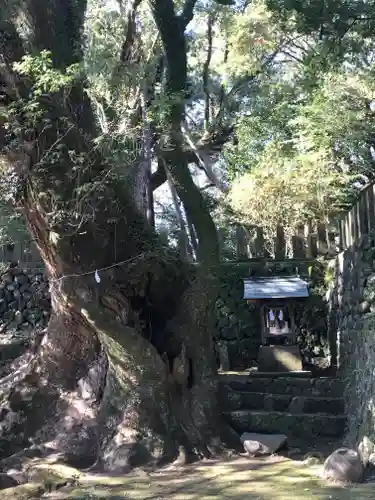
[127, 46]
[203, 161]
[222, 88]
[159, 177]
[292, 56]
[205, 75]
[187, 13]
[172, 35]
[185, 247]
[193, 238]
[208, 186]
[198, 154]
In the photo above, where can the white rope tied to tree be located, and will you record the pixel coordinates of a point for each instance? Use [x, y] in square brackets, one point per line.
[95, 272]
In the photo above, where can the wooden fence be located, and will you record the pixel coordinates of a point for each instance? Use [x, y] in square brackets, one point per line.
[360, 220]
[249, 242]
[306, 243]
[309, 243]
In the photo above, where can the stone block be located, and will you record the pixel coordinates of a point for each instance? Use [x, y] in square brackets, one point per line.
[229, 333]
[262, 444]
[287, 386]
[366, 449]
[297, 404]
[250, 384]
[329, 387]
[291, 385]
[222, 350]
[300, 425]
[242, 353]
[253, 400]
[229, 400]
[330, 406]
[364, 307]
[279, 359]
[247, 331]
[276, 402]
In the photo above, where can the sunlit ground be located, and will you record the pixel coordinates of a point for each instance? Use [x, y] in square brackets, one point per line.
[261, 479]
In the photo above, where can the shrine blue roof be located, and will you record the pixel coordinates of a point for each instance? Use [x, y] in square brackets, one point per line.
[275, 288]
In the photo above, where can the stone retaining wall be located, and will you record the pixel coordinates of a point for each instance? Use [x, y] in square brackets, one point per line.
[352, 298]
[24, 299]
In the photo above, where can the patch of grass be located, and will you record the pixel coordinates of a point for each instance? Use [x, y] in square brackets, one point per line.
[273, 478]
[23, 492]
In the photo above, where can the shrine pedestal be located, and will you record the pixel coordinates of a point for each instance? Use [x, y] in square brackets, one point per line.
[280, 358]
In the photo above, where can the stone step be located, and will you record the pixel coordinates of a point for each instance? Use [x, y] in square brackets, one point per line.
[304, 425]
[317, 387]
[289, 374]
[234, 400]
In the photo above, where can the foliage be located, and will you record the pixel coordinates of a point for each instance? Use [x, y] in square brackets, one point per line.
[45, 77]
[286, 191]
[305, 137]
[22, 117]
[292, 80]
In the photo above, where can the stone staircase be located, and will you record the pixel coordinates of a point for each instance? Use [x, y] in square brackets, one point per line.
[300, 407]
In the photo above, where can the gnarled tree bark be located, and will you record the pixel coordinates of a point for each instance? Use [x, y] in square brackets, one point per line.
[127, 359]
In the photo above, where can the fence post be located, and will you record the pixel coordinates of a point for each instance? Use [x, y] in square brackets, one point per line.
[341, 227]
[298, 243]
[312, 246]
[259, 242]
[355, 222]
[311, 250]
[280, 243]
[331, 242]
[363, 219]
[322, 239]
[370, 208]
[241, 243]
[349, 227]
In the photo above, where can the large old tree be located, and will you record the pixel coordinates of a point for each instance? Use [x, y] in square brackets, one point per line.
[125, 372]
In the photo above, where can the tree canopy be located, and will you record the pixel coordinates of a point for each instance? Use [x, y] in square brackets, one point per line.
[277, 106]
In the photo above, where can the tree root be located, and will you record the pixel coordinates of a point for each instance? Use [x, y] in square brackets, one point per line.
[124, 412]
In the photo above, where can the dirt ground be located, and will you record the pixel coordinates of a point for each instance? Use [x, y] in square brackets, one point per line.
[275, 478]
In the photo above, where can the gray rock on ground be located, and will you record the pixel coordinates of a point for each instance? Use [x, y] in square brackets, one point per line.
[344, 465]
[256, 444]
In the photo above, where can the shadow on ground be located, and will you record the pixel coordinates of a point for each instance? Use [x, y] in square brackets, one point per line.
[275, 478]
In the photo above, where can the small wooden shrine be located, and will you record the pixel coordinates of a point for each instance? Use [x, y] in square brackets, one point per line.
[277, 296]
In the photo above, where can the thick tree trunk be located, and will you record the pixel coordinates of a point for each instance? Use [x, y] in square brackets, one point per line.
[128, 352]
[126, 372]
[129, 361]
[142, 405]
